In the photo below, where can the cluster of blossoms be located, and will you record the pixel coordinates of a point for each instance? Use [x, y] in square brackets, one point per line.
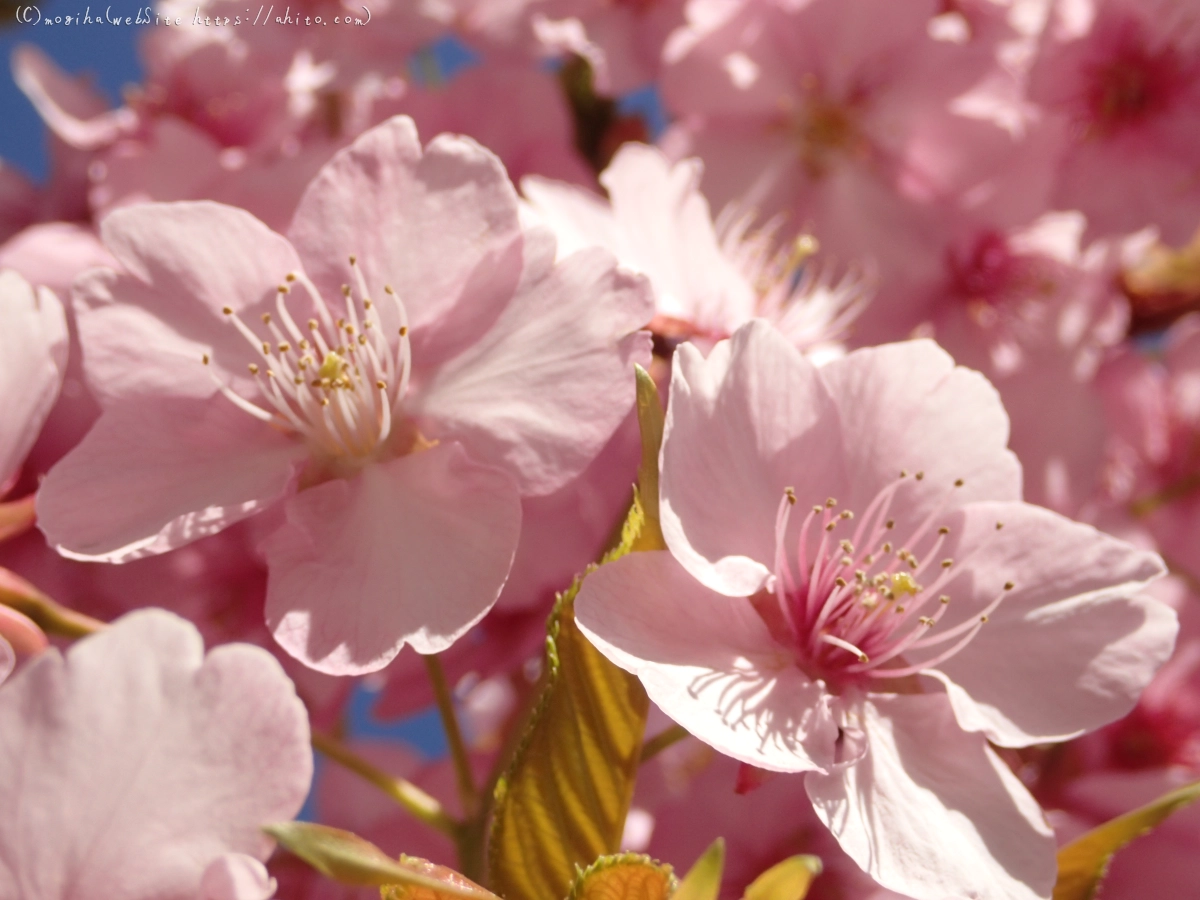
[321, 350]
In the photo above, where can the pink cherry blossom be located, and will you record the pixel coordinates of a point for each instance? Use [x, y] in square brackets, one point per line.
[1035, 311]
[840, 114]
[145, 764]
[33, 358]
[50, 255]
[706, 283]
[1153, 410]
[1125, 76]
[854, 589]
[461, 371]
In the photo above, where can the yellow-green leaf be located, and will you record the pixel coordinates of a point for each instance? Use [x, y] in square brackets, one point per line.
[345, 857]
[788, 880]
[651, 422]
[562, 801]
[625, 876]
[703, 880]
[1083, 862]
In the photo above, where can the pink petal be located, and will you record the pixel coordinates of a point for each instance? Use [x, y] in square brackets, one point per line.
[70, 106]
[709, 662]
[147, 328]
[1071, 647]
[670, 236]
[33, 358]
[909, 407]
[440, 227]
[412, 551]
[543, 391]
[931, 812]
[153, 475]
[20, 632]
[236, 876]
[744, 424]
[133, 763]
[8, 659]
[578, 217]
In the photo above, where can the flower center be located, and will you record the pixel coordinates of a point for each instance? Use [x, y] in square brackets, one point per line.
[1133, 82]
[865, 606]
[339, 382]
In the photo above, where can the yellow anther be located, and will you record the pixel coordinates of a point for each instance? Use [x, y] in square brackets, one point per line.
[947, 563]
[1008, 585]
[228, 310]
[266, 317]
[958, 482]
[284, 347]
[291, 276]
[903, 583]
[919, 476]
[943, 599]
[944, 530]
[253, 369]
[330, 368]
[790, 493]
[205, 359]
[403, 330]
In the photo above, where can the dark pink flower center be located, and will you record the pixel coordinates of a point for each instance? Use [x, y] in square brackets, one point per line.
[858, 601]
[1131, 81]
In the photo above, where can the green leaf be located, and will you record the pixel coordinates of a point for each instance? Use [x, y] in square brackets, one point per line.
[788, 880]
[703, 880]
[347, 858]
[1083, 862]
[625, 876]
[562, 801]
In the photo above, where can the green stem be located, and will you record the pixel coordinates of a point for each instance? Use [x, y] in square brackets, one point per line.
[49, 616]
[418, 803]
[661, 742]
[458, 747]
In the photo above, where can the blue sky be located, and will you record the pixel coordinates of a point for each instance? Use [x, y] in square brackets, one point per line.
[105, 52]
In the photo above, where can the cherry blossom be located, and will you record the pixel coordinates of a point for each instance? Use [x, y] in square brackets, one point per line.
[1125, 76]
[399, 374]
[33, 358]
[854, 589]
[707, 282]
[146, 765]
